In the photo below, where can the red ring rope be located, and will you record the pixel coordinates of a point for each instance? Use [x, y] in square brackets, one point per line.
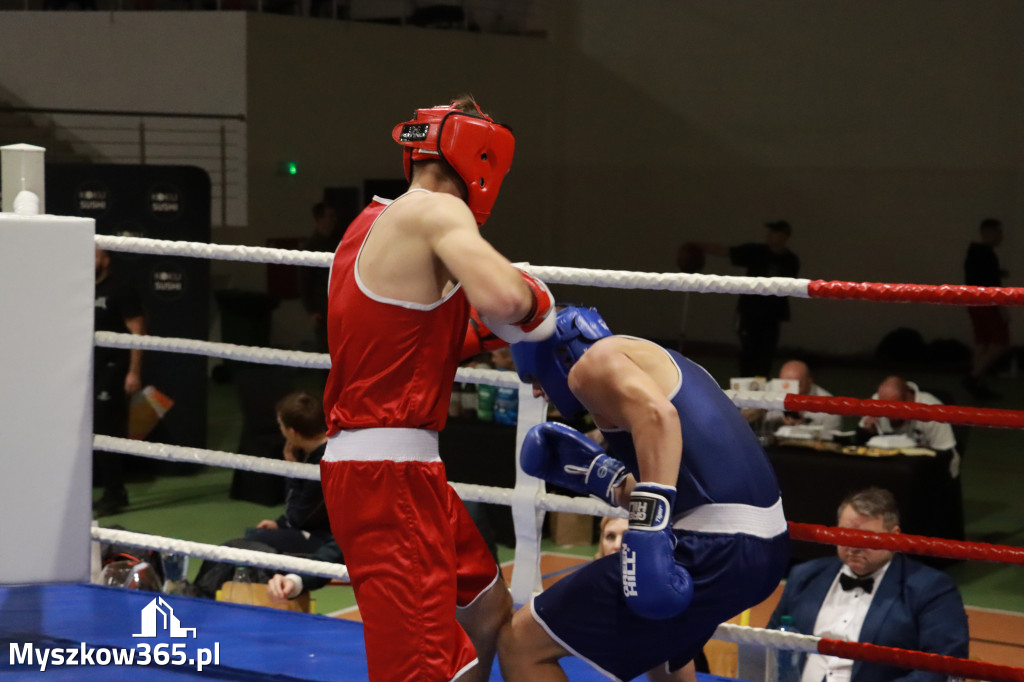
[912, 544]
[953, 414]
[948, 294]
[921, 661]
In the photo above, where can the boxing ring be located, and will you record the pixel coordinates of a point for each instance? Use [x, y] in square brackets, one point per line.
[51, 608]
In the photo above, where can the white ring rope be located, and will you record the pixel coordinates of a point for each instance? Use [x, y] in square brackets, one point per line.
[726, 632]
[615, 279]
[759, 399]
[228, 351]
[293, 358]
[202, 550]
[469, 492]
[248, 254]
[791, 641]
[228, 460]
[716, 284]
[272, 356]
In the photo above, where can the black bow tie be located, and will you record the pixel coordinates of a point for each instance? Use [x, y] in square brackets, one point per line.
[848, 582]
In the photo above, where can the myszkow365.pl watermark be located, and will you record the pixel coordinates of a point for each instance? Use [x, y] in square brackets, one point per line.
[157, 616]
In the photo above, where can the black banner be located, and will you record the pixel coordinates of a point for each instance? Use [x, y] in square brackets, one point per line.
[158, 202]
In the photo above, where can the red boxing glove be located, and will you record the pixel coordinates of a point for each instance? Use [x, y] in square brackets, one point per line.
[479, 339]
[538, 323]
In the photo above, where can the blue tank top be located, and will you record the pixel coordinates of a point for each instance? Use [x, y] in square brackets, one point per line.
[722, 462]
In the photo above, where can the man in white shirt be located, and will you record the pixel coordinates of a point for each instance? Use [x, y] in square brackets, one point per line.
[933, 435]
[936, 436]
[798, 371]
[874, 596]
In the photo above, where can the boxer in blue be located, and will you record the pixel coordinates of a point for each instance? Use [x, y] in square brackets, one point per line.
[707, 537]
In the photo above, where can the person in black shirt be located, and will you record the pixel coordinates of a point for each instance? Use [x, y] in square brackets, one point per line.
[117, 374]
[303, 526]
[990, 324]
[759, 317]
[313, 281]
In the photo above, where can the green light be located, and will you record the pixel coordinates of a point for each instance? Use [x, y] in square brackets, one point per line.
[292, 168]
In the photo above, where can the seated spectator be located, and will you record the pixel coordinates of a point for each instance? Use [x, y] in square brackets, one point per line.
[303, 526]
[936, 436]
[609, 540]
[796, 370]
[283, 587]
[873, 596]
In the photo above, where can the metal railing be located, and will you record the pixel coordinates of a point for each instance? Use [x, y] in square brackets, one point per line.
[512, 17]
[214, 142]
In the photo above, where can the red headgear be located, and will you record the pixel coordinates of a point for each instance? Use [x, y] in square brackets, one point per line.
[476, 148]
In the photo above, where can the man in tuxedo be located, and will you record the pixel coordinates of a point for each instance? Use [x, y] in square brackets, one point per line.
[873, 596]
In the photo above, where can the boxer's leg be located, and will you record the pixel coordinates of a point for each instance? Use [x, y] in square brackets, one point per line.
[526, 652]
[482, 620]
[484, 602]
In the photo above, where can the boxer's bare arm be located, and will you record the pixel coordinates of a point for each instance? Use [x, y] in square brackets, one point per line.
[424, 242]
[628, 392]
[493, 286]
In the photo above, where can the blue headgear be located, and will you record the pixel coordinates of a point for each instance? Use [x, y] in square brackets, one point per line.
[548, 362]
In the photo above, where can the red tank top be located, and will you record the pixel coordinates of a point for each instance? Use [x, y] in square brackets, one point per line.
[392, 362]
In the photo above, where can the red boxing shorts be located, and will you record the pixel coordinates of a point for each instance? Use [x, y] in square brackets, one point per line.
[413, 553]
[991, 326]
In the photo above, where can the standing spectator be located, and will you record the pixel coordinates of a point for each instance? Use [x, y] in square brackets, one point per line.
[430, 594]
[313, 281]
[759, 317]
[989, 324]
[873, 596]
[117, 374]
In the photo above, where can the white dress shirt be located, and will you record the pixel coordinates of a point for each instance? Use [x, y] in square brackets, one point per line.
[933, 435]
[840, 617]
[827, 422]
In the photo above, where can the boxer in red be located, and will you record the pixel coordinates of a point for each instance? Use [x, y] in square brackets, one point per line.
[405, 280]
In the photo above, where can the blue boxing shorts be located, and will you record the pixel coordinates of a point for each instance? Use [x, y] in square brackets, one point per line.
[587, 614]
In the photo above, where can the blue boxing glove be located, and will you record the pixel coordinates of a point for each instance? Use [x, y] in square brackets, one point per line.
[655, 585]
[562, 455]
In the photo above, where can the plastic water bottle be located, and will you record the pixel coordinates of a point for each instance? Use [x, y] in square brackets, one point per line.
[469, 401]
[175, 571]
[485, 402]
[789, 664]
[506, 405]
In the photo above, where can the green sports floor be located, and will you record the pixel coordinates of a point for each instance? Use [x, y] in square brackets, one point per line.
[197, 507]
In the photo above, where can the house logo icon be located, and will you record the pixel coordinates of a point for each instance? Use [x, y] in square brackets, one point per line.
[169, 621]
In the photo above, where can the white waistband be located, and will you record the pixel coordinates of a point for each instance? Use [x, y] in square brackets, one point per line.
[762, 522]
[383, 445]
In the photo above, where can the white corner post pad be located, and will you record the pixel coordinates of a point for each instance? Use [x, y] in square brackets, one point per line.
[47, 283]
[22, 169]
[527, 519]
